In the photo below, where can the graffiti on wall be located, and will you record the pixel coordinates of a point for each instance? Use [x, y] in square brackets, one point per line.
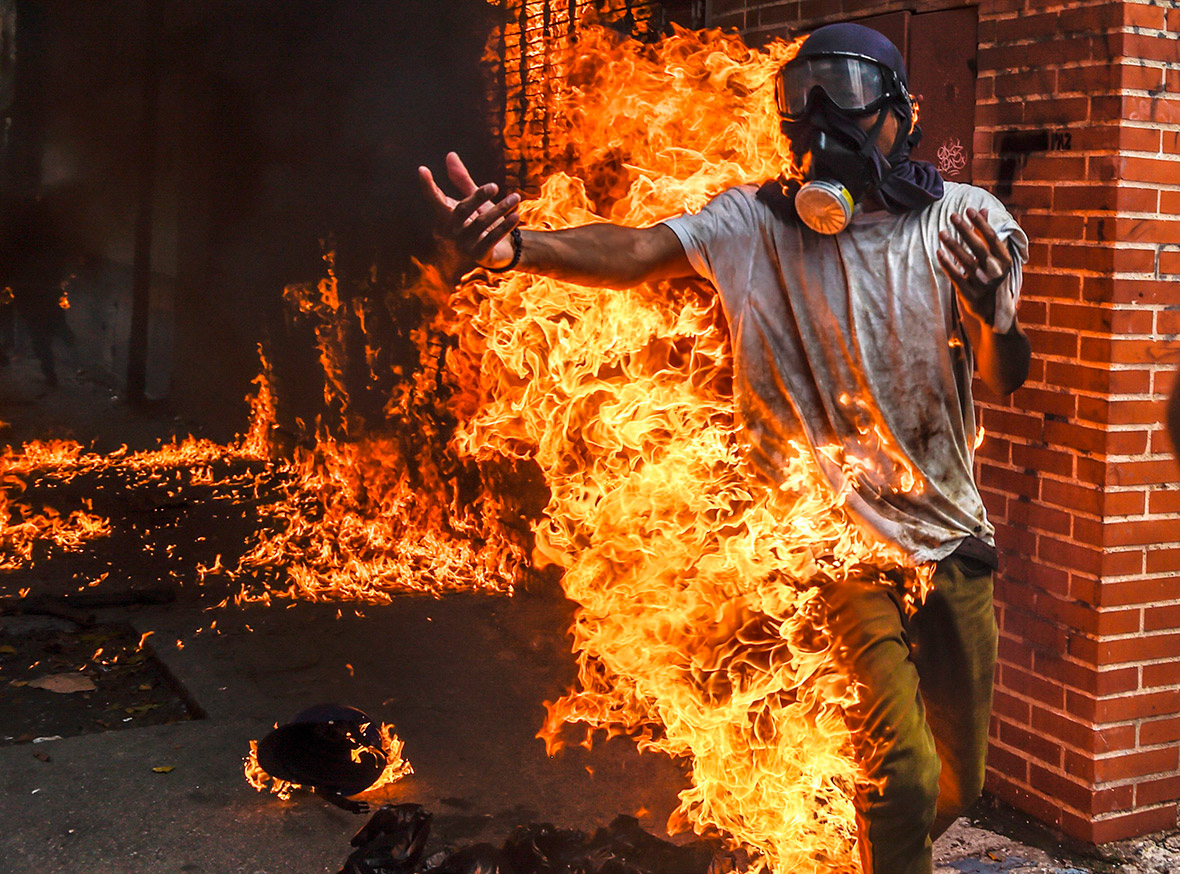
[1014, 150]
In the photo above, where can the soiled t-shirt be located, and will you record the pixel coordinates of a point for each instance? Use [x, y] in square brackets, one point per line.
[853, 344]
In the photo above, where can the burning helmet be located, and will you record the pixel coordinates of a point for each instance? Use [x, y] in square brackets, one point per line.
[330, 747]
[841, 73]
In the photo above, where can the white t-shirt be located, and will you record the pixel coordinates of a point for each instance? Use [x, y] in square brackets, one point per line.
[854, 343]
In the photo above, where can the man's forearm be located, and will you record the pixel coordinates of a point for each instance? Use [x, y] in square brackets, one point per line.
[604, 255]
[1003, 359]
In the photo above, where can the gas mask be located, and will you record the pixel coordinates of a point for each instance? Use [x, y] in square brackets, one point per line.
[819, 100]
[839, 173]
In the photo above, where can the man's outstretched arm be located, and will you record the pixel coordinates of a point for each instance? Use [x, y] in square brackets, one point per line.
[479, 230]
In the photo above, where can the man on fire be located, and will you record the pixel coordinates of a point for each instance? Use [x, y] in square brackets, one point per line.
[876, 281]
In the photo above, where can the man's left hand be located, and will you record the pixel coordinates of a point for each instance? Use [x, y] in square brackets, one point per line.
[978, 262]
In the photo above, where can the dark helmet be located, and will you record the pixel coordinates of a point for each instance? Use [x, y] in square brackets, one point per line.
[849, 67]
[329, 747]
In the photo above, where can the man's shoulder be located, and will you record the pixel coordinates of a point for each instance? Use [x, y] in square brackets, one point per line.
[746, 189]
[738, 203]
[743, 195]
[958, 196]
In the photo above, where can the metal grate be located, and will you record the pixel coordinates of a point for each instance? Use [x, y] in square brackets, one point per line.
[528, 59]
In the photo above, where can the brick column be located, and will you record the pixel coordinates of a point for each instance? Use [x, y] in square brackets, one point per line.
[1078, 473]
[1078, 132]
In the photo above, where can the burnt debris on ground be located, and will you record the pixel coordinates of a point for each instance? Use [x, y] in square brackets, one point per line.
[394, 841]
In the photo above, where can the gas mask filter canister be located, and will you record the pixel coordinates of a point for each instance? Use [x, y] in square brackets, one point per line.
[824, 205]
[839, 177]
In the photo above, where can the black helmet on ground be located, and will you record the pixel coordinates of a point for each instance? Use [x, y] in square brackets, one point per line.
[332, 748]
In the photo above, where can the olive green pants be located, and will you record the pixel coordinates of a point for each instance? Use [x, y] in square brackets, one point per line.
[920, 726]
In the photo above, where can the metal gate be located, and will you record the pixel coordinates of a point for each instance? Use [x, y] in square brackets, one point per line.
[528, 60]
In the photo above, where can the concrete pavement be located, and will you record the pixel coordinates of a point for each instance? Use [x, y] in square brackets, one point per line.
[463, 679]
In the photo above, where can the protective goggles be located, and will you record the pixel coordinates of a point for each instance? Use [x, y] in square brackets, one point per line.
[852, 83]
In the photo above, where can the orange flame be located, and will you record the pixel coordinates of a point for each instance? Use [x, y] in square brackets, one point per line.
[63, 460]
[21, 528]
[370, 514]
[257, 777]
[698, 630]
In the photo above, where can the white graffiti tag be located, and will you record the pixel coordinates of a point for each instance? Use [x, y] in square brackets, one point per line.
[952, 157]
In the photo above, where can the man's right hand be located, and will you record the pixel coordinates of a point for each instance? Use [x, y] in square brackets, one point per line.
[600, 254]
[476, 226]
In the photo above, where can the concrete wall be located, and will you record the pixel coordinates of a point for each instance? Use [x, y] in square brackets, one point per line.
[279, 125]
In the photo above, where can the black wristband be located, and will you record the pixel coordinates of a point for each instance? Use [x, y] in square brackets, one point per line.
[517, 248]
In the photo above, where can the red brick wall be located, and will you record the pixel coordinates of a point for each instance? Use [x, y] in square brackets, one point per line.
[1081, 478]
[1077, 128]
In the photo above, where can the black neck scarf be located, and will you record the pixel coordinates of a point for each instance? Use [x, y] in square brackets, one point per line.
[904, 185]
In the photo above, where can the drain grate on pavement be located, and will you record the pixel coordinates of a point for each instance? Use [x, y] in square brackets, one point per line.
[60, 680]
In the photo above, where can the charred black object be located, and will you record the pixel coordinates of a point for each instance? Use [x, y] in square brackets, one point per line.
[621, 848]
[545, 849]
[392, 842]
[476, 859]
[333, 749]
[626, 847]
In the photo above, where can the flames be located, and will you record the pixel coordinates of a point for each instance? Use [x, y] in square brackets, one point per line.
[359, 514]
[22, 528]
[373, 511]
[259, 779]
[698, 631]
